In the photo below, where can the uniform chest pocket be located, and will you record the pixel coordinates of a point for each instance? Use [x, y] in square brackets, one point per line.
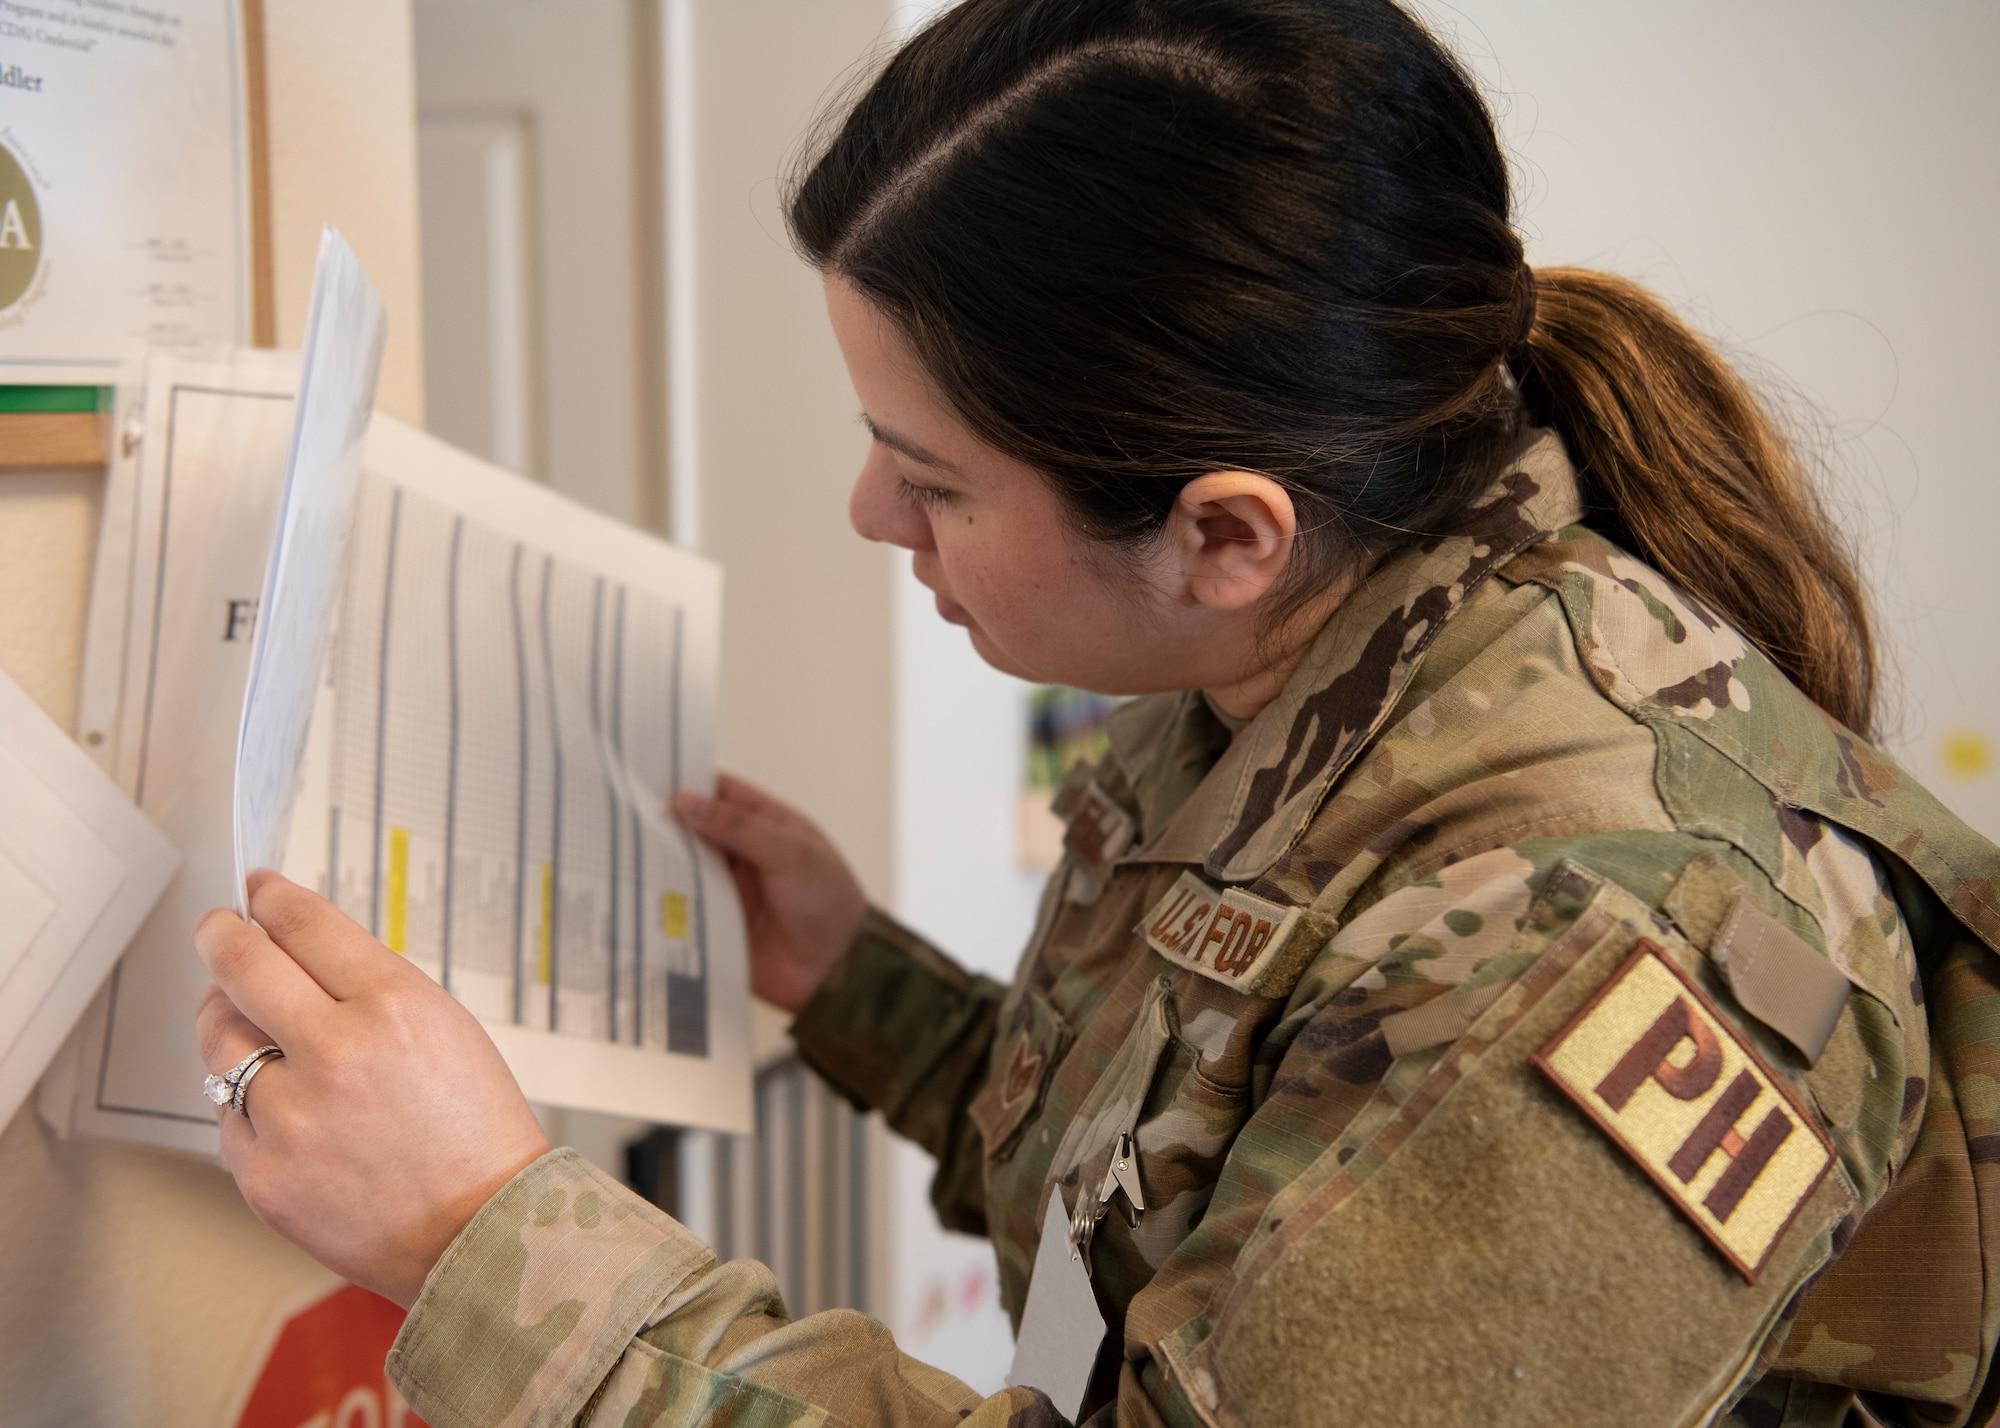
[1031, 1044]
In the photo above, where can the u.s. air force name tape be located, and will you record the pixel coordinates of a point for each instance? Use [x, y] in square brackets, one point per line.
[1662, 1072]
[1238, 940]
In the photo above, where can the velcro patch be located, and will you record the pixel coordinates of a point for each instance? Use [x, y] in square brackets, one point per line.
[1778, 978]
[1664, 1074]
[1237, 939]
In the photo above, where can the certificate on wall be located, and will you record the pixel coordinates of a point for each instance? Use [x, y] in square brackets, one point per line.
[124, 183]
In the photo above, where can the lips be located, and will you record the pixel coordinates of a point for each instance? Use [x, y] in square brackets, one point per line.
[949, 610]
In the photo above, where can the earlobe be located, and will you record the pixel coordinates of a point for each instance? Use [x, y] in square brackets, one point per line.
[1234, 532]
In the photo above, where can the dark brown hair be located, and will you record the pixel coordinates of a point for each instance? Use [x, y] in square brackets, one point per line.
[1135, 241]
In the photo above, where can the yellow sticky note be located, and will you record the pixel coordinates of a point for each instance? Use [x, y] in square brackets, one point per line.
[674, 914]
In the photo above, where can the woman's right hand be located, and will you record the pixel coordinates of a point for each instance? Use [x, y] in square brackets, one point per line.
[801, 902]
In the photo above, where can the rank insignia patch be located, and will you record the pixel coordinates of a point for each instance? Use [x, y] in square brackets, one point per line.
[1663, 1073]
[1237, 939]
[1099, 831]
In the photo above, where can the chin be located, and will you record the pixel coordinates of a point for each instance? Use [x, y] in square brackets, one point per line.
[994, 655]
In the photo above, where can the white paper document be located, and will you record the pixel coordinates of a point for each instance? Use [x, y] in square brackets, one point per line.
[345, 330]
[1062, 1328]
[123, 183]
[518, 687]
[514, 689]
[79, 868]
[189, 509]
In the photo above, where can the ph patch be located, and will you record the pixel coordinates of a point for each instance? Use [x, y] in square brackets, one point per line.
[1231, 937]
[1665, 1075]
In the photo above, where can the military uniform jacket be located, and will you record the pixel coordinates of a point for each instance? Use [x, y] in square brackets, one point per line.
[1539, 1013]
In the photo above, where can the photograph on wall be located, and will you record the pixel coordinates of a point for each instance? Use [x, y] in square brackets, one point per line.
[1065, 727]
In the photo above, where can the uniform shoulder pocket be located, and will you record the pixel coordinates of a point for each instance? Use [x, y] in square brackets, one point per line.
[1033, 1040]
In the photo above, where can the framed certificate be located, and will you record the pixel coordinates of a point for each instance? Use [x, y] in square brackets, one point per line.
[130, 171]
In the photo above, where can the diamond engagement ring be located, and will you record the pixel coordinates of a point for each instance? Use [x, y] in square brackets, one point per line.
[227, 1089]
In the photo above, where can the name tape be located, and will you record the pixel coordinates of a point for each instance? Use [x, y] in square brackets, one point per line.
[1662, 1072]
[1232, 937]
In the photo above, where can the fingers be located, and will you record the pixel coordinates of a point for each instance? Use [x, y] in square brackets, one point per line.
[335, 950]
[226, 1036]
[223, 1033]
[741, 790]
[762, 832]
[266, 985]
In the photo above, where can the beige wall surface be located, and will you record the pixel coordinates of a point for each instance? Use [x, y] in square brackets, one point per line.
[343, 103]
[806, 679]
[580, 78]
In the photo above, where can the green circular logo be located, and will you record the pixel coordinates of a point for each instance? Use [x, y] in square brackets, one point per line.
[20, 230]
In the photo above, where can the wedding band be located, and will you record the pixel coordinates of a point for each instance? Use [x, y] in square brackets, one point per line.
[270, 1053]
[221, 1090]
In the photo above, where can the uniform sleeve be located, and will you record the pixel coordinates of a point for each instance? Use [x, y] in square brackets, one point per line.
[899, 1027]
[1475, 1244]
[569, 1300]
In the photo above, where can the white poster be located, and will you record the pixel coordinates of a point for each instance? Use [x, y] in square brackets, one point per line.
[123, 183]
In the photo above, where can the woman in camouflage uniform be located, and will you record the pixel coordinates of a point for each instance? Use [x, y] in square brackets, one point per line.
[1491, 975]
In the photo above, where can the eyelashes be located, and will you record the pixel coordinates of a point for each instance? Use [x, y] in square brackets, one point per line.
[930, 497]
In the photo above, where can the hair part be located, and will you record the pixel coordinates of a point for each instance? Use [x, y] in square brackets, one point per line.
[1136, 241]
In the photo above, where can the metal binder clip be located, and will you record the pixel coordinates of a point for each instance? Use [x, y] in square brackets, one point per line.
[1121, 1174]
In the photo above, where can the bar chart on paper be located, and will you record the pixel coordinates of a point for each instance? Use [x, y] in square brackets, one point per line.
[507, 728]
[515, 688]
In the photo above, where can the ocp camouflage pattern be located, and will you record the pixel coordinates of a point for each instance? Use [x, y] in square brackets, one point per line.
[1510, 757]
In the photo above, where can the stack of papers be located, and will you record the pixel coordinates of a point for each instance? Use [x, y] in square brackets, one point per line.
[79, 869]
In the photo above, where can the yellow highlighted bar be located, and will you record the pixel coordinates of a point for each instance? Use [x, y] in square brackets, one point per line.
[674, 914]
[548, 921]
[399, 890]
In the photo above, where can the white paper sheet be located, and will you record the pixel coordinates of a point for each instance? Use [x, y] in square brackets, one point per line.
[426, 788]
[345, 331]
[181, 558]
[79, 869]
[518, 687]
[123, 184]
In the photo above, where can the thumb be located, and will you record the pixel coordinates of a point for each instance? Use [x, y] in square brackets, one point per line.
[760, 836]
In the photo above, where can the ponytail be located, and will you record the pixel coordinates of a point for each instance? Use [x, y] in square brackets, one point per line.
[1680, 464]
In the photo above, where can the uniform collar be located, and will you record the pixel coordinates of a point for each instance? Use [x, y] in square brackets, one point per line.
[1265, 788]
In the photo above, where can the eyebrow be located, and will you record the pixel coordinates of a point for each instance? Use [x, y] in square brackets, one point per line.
[901, 444]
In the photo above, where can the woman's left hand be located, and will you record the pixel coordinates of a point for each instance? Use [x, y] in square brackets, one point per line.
[391, 1117]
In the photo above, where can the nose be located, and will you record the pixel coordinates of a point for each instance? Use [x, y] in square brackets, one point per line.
[877, 512]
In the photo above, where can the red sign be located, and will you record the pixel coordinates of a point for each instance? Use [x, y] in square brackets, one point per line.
[325, 1370]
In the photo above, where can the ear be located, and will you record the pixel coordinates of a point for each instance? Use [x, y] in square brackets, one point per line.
[1232, 532]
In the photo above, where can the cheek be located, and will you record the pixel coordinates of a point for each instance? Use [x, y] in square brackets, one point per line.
[989, 574]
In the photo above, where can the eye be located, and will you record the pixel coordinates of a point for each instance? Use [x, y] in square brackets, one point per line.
[931, 496]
